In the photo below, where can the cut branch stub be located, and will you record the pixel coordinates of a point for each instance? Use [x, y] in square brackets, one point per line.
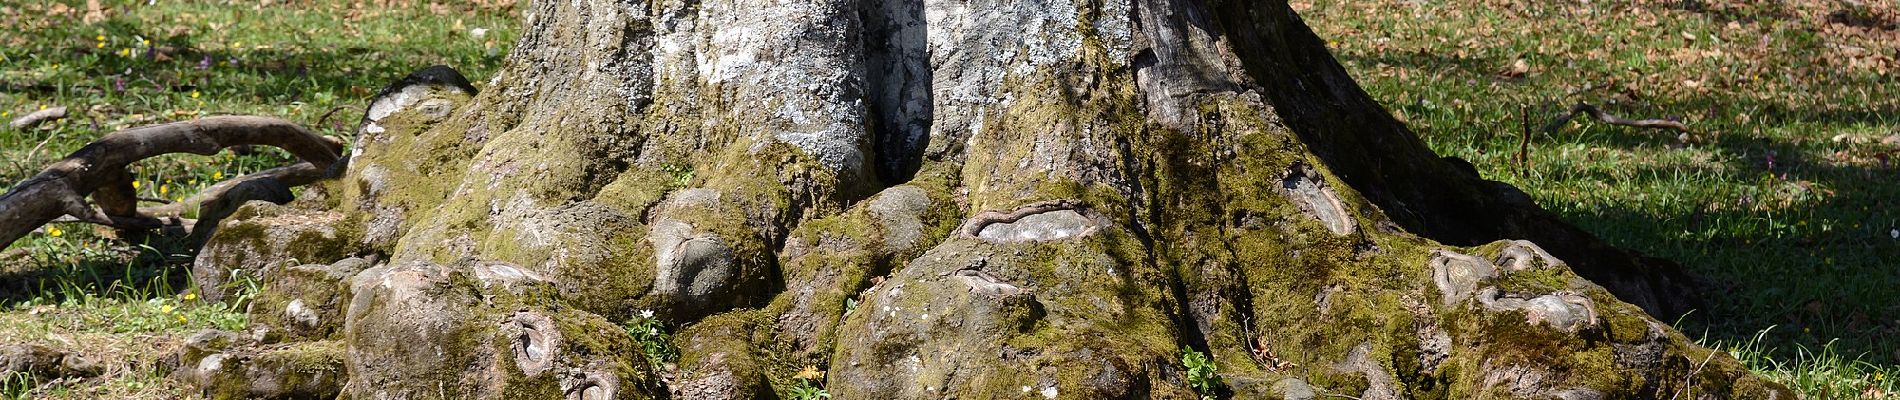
[594, 385]
[1308, 190]
[535, 342]
[1459, 275]
[98, 170]
[1520, 255]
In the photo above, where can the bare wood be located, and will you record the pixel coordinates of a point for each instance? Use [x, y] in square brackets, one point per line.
[1604, 117]
[286, 177]
[35, 118]
[98, 170]
[1523, 157]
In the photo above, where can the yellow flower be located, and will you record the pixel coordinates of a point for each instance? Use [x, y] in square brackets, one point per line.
[191, 296]
[53, 231]
[165, 309]
[135, 185]
[181, 318]
[101, 38]
[164, 189]
[810, 372]
[194, 94]
[125, 52]
[217, 175]
[99, 45]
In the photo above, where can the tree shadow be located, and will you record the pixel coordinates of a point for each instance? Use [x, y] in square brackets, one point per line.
[52, 273]
[1817, 267]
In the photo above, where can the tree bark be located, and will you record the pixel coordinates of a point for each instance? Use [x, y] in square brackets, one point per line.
[939, 199]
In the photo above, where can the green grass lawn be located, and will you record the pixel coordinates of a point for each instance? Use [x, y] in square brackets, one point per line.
[132, 63]
[1783, 197]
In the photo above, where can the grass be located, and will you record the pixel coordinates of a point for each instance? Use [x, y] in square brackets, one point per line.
[1784, 197]
[132, 63]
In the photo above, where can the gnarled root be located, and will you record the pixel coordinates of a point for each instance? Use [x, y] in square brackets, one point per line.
[98, 170]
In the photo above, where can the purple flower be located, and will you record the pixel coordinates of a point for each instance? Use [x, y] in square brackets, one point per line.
[234, 62]
[118, 84]
[205, 63]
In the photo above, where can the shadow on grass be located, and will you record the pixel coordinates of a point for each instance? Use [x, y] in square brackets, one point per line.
[1819, 267]
[1824, 267]
[47, 272]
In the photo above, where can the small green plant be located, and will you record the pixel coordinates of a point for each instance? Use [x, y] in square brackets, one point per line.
[682, 174]
[654, 341]
[1201, 371]
[17, 385]
[810, 384]
[806, 390]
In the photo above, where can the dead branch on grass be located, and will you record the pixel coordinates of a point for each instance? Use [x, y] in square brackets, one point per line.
[98, 170]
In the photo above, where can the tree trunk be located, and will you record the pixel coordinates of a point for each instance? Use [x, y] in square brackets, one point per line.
[930, 199]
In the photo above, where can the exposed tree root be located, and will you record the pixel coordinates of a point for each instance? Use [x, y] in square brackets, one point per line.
[98, 170]
[974, 226]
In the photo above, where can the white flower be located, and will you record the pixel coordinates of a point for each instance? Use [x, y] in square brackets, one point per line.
[1895, 233]
[653, 331]
[1026, 389]
[646, 313]
[1049, 392]
[478, 33]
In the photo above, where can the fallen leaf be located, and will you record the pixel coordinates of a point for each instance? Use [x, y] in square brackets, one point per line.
[1518, 68]
[95, 13]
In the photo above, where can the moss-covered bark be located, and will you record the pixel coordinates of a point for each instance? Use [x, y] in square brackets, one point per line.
[981, 199]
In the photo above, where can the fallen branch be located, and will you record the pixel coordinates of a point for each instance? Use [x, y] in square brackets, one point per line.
[98, 170]
[1592, 111]
[35, 118]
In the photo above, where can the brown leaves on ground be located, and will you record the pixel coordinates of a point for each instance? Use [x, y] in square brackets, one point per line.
[1747, 46]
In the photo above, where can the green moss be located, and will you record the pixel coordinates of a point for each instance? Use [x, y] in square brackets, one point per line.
[315, 246]
[323, 356]
[728, 342]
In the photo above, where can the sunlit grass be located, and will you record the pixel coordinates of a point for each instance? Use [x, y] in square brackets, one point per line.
[1783, 198]
[79, 288]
